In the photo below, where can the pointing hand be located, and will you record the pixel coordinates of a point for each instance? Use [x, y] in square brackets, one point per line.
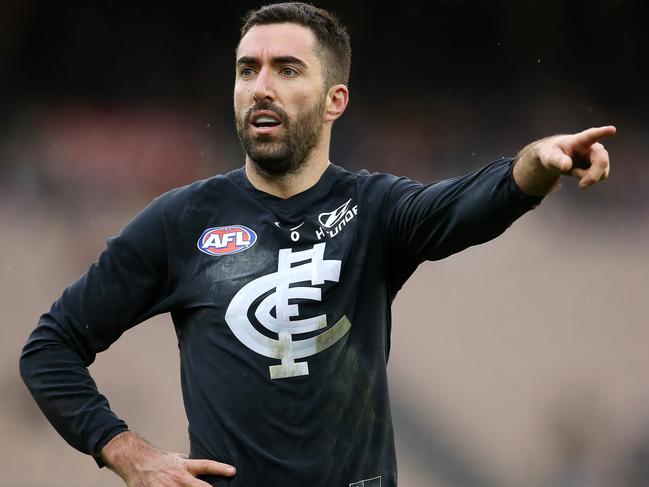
[581, 155]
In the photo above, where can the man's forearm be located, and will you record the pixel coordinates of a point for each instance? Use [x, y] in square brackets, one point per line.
[59, 380]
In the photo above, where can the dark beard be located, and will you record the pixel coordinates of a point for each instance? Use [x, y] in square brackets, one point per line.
[285, 155]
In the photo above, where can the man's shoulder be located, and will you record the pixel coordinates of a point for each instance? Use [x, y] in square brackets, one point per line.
[365, 175]
[197, 190]
[372, 180]
[181, 203]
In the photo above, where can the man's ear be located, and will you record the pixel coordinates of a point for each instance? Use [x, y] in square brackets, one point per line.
[337, 99]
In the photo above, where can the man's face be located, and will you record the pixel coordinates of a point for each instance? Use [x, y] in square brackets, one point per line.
[279, 96]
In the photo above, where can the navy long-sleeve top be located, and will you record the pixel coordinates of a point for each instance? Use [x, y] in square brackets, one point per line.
[282, 312]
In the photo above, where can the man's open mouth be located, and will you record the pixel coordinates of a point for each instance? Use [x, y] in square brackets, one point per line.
[262, 120]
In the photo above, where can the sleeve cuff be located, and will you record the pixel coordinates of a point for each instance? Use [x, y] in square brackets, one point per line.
[519, 194]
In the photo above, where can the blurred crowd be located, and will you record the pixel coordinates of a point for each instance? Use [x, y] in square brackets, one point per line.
[111, 97]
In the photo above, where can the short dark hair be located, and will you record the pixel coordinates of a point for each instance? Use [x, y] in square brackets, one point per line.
[332, 38]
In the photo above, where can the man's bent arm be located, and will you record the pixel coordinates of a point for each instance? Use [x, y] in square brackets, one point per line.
[129, 283]
[59, 380]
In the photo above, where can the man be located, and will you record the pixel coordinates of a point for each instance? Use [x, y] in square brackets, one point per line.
[279, 278]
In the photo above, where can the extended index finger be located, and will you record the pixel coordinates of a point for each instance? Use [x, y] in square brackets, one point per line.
[209, 467]
[588, 137]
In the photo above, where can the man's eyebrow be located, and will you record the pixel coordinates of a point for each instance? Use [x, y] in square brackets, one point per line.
[247, 60]
[289, 60]
[276, 60]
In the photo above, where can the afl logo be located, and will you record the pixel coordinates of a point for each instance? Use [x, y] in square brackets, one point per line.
[226, 240]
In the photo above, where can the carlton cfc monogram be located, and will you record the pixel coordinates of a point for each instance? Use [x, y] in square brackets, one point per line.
[314, 268]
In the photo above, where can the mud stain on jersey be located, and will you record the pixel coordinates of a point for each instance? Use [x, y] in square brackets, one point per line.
[353, 406]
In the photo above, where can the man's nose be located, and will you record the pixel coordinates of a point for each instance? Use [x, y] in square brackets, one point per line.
[263, 85]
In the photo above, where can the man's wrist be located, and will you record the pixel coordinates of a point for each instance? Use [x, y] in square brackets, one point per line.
[529, 173]
[122, 452]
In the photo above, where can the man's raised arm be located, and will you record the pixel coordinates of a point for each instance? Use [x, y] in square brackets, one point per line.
[430, 222]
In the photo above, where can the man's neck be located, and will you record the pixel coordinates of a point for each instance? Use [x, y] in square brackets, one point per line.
[290, 184]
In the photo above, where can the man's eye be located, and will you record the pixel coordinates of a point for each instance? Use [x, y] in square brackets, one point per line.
[246, 72]
[289, 72]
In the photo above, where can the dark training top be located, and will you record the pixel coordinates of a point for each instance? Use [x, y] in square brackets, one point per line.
[282, 312]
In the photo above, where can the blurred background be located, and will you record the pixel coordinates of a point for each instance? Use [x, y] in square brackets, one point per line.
[522, 362]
